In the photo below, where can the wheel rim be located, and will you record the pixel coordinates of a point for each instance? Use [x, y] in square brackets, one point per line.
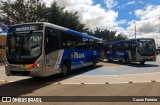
[64, 70]
[94, 63]
[127, 60]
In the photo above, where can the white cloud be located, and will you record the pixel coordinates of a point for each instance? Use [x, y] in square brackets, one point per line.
[149, 19]
[130, 13]
[91, 15]
[110, 3]
[148, 24]
[122, 22]
[141, 2]
[131, 2]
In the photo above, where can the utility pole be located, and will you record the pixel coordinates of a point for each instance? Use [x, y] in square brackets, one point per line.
[159, 34]
[135, 28]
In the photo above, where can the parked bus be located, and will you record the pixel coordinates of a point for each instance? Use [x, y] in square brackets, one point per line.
[43, 49]
[132, 50]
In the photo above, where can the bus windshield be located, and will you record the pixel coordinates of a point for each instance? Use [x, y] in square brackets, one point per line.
[24, 46]
[146, 47]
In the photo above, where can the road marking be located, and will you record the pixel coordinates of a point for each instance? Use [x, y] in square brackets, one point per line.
[5, 81]
[130, 82]
[153, 81]
[105, 83]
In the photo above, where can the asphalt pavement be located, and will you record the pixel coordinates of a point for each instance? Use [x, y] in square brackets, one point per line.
[108, 79]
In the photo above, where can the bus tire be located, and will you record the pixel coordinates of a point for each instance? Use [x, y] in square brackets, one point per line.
[109, 59]
[120, 61]
[127, 60]
[94, 63]
[142, 62]
[65, 70]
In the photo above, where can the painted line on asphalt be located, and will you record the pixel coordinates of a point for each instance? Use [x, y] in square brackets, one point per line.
[81, 75]
[5, 81]
[107, 83]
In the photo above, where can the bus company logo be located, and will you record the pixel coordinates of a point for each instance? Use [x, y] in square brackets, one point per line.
[77, 55]
[72, 55]
[120, 53]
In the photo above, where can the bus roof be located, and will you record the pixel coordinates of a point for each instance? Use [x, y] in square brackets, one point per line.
[127, 40]
[65, 29]
[84, 35]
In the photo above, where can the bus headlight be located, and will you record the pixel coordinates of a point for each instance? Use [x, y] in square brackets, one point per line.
[6, 64]
[38, 64]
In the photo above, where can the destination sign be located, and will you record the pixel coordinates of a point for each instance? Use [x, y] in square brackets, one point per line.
[143, 40]
[26, 27]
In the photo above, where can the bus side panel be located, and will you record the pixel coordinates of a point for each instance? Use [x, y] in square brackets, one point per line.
[77, 58]
[80, 58]
[120, 54]
[52, 62]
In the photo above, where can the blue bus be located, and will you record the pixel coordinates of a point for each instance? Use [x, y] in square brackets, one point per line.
[132, 50]
[43, 49]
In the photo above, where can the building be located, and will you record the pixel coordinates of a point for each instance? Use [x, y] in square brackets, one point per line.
[3, 35]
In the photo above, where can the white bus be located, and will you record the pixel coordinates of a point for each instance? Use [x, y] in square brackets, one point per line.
[43, 49]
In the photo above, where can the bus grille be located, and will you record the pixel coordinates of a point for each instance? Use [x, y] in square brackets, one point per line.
[20, 73]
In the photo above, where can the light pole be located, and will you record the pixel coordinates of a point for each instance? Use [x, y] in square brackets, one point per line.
[135, 28]
[159, 34]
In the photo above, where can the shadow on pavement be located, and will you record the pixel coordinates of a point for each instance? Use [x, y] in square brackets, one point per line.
[26, 86]
[142, 66]
[138, 65]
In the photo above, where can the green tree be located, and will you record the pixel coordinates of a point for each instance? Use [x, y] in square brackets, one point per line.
[107, 35]
[120, 37]
[21, 11]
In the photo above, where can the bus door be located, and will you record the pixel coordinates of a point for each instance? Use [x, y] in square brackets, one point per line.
[120, 51]
[52, 53]
[133, 50]
[88, 51]
[74, 49]
[115, 51]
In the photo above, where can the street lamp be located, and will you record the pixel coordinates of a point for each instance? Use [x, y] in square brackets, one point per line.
[159, 34]
[135, 28]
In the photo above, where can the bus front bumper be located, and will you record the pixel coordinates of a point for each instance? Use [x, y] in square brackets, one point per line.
[36, 72]
[147, 58]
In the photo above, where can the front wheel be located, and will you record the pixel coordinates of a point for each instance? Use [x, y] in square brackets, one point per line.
[127, 60]
[94, 63]
[64, 70]
[142, 62]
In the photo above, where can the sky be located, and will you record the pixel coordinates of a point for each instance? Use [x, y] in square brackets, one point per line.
[120, 15]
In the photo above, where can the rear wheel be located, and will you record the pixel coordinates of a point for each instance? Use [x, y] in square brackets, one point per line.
[109, 59]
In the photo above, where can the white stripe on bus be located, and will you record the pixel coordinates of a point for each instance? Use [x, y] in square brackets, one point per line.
[60, 54]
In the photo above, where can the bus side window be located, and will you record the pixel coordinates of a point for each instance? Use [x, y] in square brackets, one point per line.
[51, 40]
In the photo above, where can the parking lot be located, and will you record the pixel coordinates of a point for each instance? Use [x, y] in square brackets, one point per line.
[107, 79]
[106, 72]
